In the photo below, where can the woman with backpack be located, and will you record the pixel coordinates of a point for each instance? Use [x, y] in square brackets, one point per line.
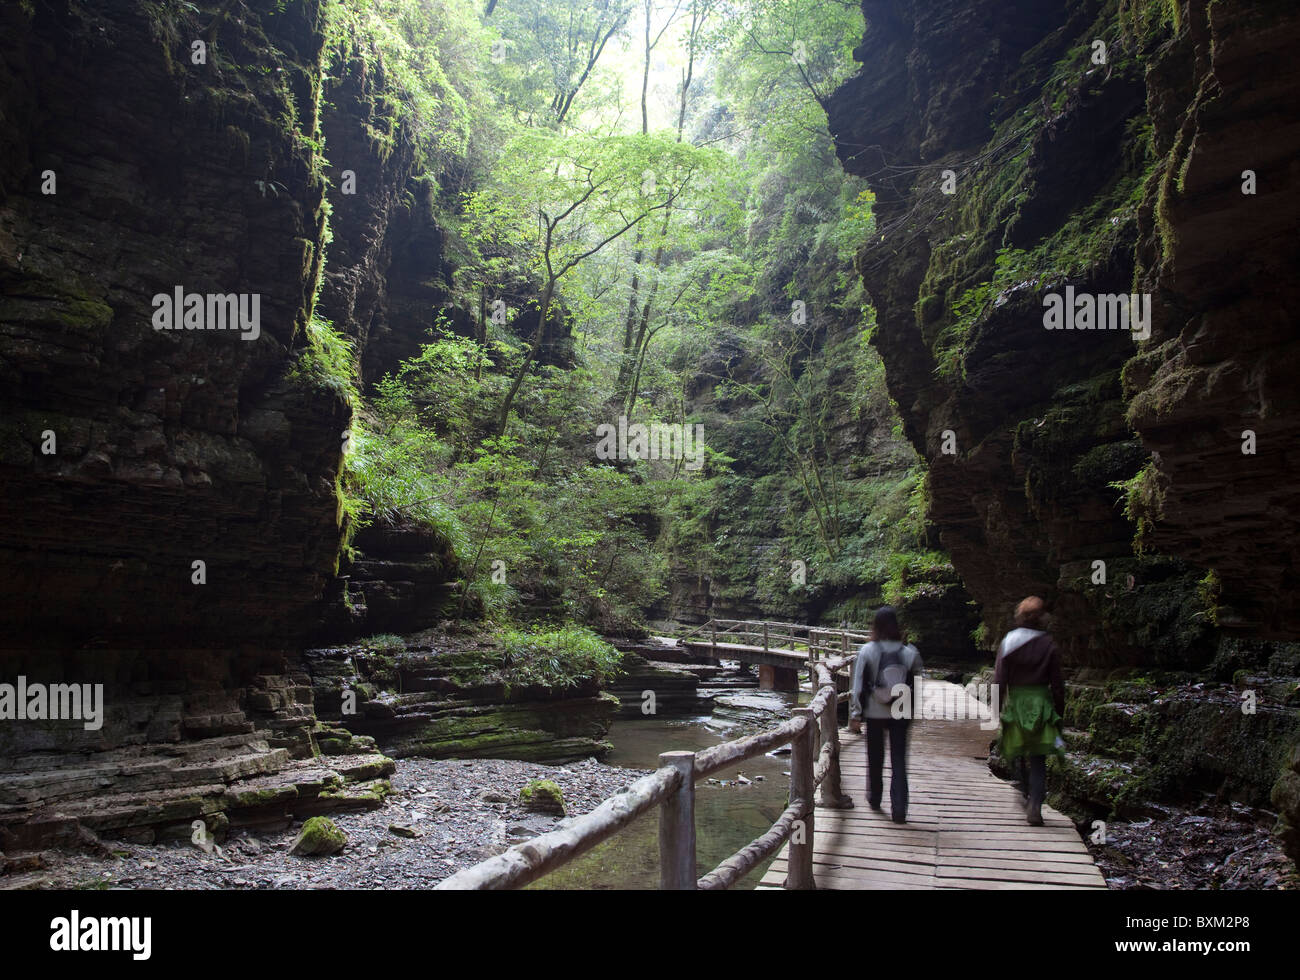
[883, 667]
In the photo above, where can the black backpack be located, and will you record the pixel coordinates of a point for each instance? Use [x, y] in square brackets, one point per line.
[890, 672]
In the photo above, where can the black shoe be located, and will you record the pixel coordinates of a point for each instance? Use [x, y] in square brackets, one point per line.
[900, 819]
[1034, 814]
[877, 807]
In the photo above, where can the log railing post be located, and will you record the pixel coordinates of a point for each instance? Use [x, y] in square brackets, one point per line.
[677, 826]
[803, 757]
[832, 793]
[765, 641]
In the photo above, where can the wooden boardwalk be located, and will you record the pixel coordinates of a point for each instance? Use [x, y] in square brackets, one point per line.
[965, 827]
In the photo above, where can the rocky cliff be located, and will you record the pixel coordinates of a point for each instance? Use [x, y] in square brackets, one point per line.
[1212, 393]
[128, 171]
[172, 493]
[1026, 150]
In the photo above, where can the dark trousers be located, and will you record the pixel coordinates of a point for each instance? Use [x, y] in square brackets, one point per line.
[897, 728]
[1031, 777]
[1037, 779]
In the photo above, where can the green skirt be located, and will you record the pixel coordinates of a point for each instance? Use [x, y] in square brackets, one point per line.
[1030, 724]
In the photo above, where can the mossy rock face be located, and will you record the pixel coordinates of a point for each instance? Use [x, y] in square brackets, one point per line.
[542, 795]
[1286, 794]
[319, 835]
[1117, 730]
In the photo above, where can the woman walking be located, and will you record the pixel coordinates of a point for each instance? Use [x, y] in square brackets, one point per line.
[883, 675]
[1028, 677]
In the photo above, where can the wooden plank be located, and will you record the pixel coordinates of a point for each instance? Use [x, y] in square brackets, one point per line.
[835, 880]
[973, 856]
[831, 876]
[1009, 839]
[1018, 874]
[853, 861]
[948, 884]
[1010, 864]
[868, 840]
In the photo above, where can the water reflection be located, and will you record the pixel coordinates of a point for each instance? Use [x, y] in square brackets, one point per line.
[726, 817]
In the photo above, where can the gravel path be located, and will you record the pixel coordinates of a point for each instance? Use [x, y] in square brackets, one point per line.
[461, 811]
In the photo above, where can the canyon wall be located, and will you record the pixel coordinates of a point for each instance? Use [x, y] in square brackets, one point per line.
[1021, 150]
[149, 147]
[129, 453]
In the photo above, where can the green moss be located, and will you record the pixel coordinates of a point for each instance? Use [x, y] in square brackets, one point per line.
[262, 797]
[542, 794]
[1169, 389]
[381, 643]
[319, 835]
[1209, 589]
[929, 308]
[1143, 503]
[1108, 463]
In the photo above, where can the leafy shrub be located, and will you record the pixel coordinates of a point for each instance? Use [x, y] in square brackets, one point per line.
[557, 658]
[327, 360]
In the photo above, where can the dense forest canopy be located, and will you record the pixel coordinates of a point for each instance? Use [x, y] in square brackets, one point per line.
[649, 227]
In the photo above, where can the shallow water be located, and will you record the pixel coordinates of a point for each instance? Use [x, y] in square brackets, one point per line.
[726, 817]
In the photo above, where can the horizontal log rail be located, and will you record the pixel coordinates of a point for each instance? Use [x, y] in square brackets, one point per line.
[525, 863]
[805, 642]
[813, 736]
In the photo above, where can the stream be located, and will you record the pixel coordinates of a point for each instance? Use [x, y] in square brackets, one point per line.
[727, 817]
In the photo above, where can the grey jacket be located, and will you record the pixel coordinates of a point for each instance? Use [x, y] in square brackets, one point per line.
[868, 659]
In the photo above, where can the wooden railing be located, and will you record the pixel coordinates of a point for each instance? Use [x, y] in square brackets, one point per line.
[813, 736]
[818, 642]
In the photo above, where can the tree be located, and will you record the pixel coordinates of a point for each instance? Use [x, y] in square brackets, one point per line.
[552, 49]
[559, 200]
[636, 325]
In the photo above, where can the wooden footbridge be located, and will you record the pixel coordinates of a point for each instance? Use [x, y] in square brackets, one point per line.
[965, 827]
[781, 650]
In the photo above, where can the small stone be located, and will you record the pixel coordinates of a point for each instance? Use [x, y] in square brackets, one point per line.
[319, 835]
[542, 795]
[403, 830]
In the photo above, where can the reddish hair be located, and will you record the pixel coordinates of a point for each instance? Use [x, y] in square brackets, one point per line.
[1031, 612]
